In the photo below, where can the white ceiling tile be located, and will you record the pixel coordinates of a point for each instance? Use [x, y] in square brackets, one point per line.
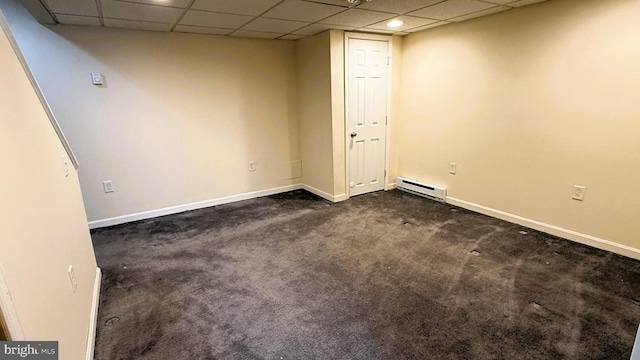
[452, 8]
[136, 25]
[211, 19]
[202, 30]
[318, 28]
[291, 37]
[357, 18]
[255, 34]
[172, 3]
[242, 7]
[398, 6]
[274, 25]
[302, 11]
[410, 22]
[494, 10]
[73, 7]
[430, 26]
[524, 3]
[78, 20]
[134, 11]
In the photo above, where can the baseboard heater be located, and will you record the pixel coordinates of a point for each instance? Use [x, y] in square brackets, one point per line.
[420, 189]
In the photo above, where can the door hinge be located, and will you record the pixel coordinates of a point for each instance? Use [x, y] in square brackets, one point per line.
[388, 59]
[385, 173]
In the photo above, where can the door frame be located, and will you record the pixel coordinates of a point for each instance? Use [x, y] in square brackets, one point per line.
[375, 37]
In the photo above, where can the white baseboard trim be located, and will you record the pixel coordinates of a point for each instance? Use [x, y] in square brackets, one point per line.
[340, 197]
[192, 206]
[325, 195]
[93, 323]
[391, 186]
[550, 229]
[635, 352]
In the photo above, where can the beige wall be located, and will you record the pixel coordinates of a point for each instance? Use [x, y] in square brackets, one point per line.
[180, 116]
[320, 73]
[43, 228]
[394, 111]
[313, 73]
[529, 103]
[337, 114]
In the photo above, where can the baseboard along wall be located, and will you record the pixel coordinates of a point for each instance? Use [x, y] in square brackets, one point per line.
[325, 195]
[91, 336]
[516, 219]
[192, 206]
[549, 229]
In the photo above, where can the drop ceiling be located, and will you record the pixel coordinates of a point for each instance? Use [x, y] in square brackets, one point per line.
[268, 19]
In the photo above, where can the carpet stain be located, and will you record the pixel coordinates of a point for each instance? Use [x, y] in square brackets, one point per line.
[385, 275]
[111, 321]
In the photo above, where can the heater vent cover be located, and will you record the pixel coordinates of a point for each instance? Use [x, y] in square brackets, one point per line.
[421, 189]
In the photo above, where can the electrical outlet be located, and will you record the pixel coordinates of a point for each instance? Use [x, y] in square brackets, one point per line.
[72, 278]
[578, 192]
[452, 168]
[108, 186]
[65, 165]
[252, 166]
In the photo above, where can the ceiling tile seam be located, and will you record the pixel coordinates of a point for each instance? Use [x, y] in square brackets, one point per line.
[76, 15]
[254, 19]
[411, 28]
[451, 19]
[324, 18]
[317, 22]
[310, 24]
[493, 3]
[369, 24]
[147, 4]
[156, 5]
[51, 13]
[100, 14]
[343, 6]
[207, 27]
[181, 16]
[258, 31]
[422, 8]
[440, 21]
[139, 21]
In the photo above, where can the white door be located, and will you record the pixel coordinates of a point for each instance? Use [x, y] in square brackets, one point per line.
[366, 114]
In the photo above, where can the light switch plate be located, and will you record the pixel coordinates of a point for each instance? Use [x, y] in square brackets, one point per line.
[96, 78]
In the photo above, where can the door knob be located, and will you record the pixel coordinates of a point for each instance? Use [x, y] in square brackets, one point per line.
[354, 134]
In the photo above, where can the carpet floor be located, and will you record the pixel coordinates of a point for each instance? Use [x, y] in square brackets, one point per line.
[387, 275]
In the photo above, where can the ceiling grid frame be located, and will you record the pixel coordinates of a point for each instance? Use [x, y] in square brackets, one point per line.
[275, 19]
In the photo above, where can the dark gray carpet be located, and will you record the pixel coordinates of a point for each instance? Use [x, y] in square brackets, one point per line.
[386, 275]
